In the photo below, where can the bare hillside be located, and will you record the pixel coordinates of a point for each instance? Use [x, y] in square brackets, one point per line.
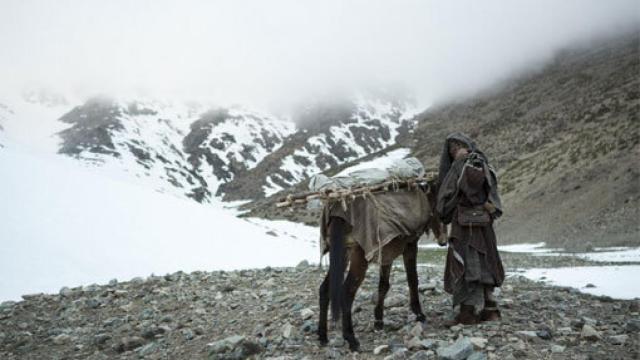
[565, 142]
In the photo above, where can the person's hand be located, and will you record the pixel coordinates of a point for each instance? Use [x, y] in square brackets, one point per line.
[443, 239]
[490, 207]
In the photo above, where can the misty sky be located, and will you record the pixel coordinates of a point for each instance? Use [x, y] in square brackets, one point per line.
[282, 51]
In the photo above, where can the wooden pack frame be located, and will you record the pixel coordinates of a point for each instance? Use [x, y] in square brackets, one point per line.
[344, 195]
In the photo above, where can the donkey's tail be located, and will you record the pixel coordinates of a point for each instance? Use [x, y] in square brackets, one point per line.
[337, 266]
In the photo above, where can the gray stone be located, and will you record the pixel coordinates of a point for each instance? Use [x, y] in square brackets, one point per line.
[478, 342]
[306, 313]
[395, 301]
[633, 325]
[556, 349]
[259, 331]
[7, 304]
[309, 326]
[271, 282]
[460, 350]
[128, 343]
[91, 288]
[431, 285]
[477, 356]
[589, 333]
[150, 332]
[61, 339]
[147, 314]
[414, 343]
[65, 291]
[422, 355]
[544, 334]
[100, 339]
[92, 303]
[36, 296]
[397, 353]
[147, 349]
[333, 353]
[380, 348]
[188, 334]
[247, 348]
[225, 345]
[527, 334]
[137, 280]
[618, 339]
[416, 330]
[589, 321]
[288, 331]
[428, 344]
[565, 331]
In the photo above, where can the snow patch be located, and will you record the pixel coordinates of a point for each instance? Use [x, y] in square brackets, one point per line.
[617, 254]
[531, 248]
[618, 282]
[62, 224]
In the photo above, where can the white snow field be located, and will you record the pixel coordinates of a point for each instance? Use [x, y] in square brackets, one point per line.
[620, 254]
[614, 281]
[535, 248]
[63, 224]
[620, 282]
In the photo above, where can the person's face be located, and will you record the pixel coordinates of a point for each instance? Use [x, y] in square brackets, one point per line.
[454, 146]
[456, 149]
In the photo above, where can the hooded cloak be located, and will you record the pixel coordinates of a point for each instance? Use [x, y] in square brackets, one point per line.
[473, 261]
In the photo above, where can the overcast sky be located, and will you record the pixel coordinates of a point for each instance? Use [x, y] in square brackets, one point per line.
[281, 51]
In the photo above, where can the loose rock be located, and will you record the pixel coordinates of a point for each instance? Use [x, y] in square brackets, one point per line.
[460, 350]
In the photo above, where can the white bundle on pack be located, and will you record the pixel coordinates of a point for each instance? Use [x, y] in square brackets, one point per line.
[399, 169]
[406, 168]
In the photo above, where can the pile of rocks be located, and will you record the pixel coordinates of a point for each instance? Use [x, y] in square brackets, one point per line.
[272, 314]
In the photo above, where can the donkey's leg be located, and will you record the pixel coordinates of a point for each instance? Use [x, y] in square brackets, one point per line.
[410, 257]
[324, 309]
[383, 288]
[357, 271]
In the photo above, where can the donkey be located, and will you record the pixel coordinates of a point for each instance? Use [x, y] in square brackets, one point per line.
[341, 292]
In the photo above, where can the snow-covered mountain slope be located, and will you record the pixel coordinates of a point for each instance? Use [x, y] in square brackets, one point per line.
[224, 142]
[234, 153]
[176, 148]
[30, 119]
[329, 137]
[64, 224]
[5, 112]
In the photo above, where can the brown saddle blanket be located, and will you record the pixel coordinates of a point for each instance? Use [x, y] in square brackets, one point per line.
[375, 220]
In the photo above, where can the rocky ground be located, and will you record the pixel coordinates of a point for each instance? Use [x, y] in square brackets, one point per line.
[272, 314]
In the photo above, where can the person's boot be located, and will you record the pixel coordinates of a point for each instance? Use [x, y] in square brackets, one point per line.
[466, 316]
[490, 311]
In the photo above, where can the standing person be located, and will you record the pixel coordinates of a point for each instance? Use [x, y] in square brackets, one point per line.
[468, 199]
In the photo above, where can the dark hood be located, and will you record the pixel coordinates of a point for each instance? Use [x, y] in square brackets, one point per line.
[448, 183]
[446, 160]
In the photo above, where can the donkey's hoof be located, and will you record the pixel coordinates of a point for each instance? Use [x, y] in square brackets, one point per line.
[421, 318]
[354, 345]
[378, 325]
[323, 339]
